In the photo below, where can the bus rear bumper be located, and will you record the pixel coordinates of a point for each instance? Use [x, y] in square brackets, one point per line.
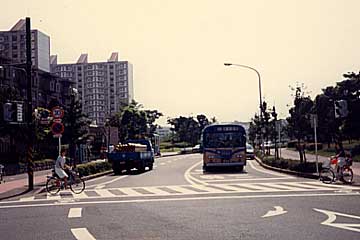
[233, 164]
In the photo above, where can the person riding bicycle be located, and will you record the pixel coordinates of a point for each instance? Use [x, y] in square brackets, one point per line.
[61, 166]
[340, 156]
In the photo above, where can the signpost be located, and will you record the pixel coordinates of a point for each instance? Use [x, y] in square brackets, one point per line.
[314, 122]
[57, 128]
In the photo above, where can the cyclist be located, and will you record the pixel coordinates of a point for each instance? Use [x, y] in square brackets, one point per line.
[61, 166]
[341, 158]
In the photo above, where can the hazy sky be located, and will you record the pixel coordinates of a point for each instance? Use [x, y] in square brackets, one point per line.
[178, 47]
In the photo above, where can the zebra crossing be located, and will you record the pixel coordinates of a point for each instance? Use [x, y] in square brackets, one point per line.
[179, 190]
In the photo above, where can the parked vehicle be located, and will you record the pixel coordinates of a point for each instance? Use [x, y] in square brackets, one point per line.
[196, 149]
[250, 154]
[137, 154]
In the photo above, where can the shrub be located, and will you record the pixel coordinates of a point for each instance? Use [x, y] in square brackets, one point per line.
[93, 168]
[311, 146]
[291, 144]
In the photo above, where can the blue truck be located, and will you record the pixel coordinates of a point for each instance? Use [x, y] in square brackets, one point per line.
[127, 160]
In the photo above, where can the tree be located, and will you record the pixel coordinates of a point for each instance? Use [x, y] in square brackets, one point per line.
[133, 122]
[299, 122]
[188, 129]
[76, 125]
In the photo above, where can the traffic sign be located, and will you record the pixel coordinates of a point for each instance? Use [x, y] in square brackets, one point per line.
[57, 112]
[57, 128]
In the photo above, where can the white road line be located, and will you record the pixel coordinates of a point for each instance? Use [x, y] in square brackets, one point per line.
[27, 199]
[228, 187]
[53, 197]
[245, 179]
[256, 187]
[104, 193]
[74, 213]
[156, 190]
[108, 182]
[317, 195]
[190, 179]
[332, 186]
[208, 188]
[304, 185]
[130, 191]
[182, 190]
[82, 234]
[80, 195]
[252, 165]
[282, 187]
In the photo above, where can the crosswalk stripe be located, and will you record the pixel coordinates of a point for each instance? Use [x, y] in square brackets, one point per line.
[228, 187]
[253, 187]
[53, 197]
[182, 190]
[27, 198]
[305, 186]
[80, 195]
[283, 187]
[155, 190]
[104, 193]
[130, 191]
[332, 186]
[208, 188]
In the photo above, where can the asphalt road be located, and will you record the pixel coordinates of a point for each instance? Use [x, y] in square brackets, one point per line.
[177, 200]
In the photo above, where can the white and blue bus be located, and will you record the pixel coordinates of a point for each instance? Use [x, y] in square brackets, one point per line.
[224, 145]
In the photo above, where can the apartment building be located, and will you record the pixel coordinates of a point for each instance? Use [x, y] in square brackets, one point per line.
[102, 86]
[13, 46]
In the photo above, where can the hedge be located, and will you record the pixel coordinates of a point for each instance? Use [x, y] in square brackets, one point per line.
[294, 165]
[93, 168]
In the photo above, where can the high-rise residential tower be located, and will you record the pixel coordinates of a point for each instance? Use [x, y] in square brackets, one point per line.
[102, 86]
[13, 46]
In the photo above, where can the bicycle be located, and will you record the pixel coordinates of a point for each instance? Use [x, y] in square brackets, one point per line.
[54, 184]
[330, 174]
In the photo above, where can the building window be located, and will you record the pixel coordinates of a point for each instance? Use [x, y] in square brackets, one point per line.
[14, 38]
[58, 87]
[52, 86]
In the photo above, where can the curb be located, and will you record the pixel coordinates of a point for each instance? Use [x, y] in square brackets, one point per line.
[85, 178]
[300, 174]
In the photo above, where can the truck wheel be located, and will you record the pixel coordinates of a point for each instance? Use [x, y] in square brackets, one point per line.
[141, 168]
[150, 167]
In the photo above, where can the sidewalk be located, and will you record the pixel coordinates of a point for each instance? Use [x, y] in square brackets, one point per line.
[294, 155]
[18, 184]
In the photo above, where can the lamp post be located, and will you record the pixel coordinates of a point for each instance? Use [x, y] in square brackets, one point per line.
[260, 98]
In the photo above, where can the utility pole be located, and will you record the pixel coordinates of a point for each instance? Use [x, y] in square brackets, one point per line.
[29, 154]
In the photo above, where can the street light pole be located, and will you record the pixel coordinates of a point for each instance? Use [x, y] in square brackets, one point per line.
[260, 97]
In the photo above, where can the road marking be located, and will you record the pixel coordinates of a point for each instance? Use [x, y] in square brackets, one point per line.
[74, 213]
[245, 179]
[155, 190]
[182, 190]
[108, 182]
[317, 195]
[82, 234]
[278, 211]
[190, 179]
[355, 227]
[24, 199]
[104, 193]
[212, 177]
[252, 165]
[130, 191]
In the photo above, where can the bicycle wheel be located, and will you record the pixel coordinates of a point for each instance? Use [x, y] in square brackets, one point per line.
[77, 185]
[347, 175]
[53, 185]
[327, 176]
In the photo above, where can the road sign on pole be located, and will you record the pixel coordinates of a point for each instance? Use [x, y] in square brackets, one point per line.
[57, 128]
